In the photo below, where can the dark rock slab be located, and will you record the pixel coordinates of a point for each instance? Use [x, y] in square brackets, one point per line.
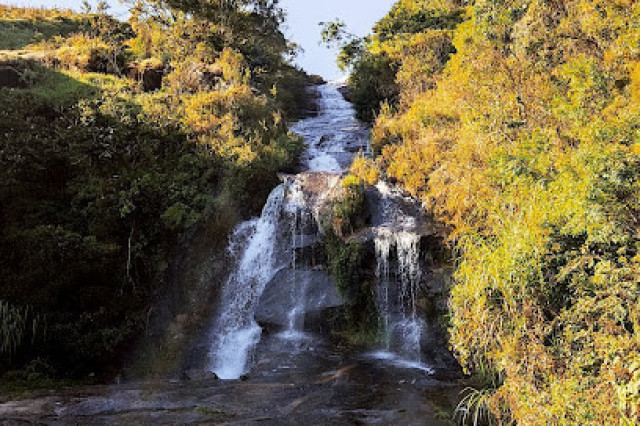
[346, 93]
[282, 294]
[11, 77]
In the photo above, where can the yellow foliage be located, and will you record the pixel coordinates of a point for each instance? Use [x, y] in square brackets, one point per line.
[233, 67]
[526, 144]
[635, 83]
[365, 169]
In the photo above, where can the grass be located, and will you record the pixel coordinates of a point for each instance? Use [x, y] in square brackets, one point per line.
[473, 409]
[19, 33]
[61, 88]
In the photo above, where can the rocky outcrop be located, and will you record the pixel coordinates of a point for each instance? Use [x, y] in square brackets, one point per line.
[11, 77]
[276, 303]
[149, 73]
[346, 93]
[16, 71]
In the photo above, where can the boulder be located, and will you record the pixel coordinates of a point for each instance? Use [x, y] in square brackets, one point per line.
[11, 77]
[152, 79]
[281, 296]
[346, 93]
[149, 73]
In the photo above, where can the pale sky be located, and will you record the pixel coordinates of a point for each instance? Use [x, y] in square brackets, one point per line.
[302, 27]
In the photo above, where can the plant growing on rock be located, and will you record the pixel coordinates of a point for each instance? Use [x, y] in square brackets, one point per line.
[350, 209]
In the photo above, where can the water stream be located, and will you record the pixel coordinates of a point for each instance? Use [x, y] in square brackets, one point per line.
[270, 319]
[332, 137]
[236, 331]
[272, 257]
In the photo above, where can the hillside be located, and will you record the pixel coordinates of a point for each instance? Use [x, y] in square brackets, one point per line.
[117, 141]
[516, 123]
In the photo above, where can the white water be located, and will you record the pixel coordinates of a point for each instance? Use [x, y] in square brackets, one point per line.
[265, 254]
[301, 217]
[256, 247]
[236, 332]
[334, 135]
[397, 245]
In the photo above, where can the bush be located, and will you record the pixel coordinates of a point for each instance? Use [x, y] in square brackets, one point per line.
[524, 142]
[349, 211]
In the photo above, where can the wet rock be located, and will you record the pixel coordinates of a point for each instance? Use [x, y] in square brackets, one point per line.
[323, 140]
[346, 93]
[354, 149]
[198, 374]
[279, 300]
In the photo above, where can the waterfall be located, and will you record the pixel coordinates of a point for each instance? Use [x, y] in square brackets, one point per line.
[297, 210]
[275, 281]
[236, 333]
[383, 242]
[399, 275]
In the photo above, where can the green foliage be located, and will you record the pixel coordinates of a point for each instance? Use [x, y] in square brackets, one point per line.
[343, 260]
[349, 211]
[407, 47]
[20, 28]
[358, 320]
[100, 181]
[371, 83]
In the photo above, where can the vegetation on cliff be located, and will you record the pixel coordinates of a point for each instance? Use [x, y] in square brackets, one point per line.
[517, 124]
[119, 138]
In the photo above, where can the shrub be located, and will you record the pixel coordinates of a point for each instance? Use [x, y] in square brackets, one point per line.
[349, 210]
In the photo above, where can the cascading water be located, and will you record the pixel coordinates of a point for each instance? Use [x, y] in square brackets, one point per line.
[236, 331]
[295, 206]
[397, 246]
[265, 249]
[276, 281]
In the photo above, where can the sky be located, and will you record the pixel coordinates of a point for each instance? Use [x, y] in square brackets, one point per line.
[301, 27]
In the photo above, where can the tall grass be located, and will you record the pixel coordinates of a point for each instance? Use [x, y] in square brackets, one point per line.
[16, 325]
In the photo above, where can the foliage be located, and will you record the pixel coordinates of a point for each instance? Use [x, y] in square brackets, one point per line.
[21, 27]
[365, 169]
[522, 137]
[358, 318]
[350, 209]
[407, 49]
[102, 180]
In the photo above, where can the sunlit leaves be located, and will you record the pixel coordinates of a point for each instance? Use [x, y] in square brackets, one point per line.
[526, 143]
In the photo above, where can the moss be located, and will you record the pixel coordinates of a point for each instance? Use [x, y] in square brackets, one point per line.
[357, 321]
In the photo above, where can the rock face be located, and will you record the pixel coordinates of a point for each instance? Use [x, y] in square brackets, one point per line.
[402, 250]
[346, 93]
[11, 77]
[277, 304]
[149, 73]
